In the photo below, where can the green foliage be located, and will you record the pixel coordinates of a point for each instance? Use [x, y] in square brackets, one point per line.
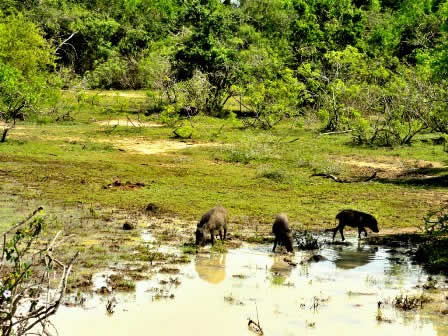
[25, 58]
[210, 49]
[16, 253]
[27, 268]
[405, 106]
[343, 61]
[116, 73]
[274, 99]
[436, 221]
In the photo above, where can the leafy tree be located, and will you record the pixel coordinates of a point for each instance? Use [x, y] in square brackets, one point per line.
[343, 77]
[272, 100]
[324, 25]
[25, 61]
[211, 50]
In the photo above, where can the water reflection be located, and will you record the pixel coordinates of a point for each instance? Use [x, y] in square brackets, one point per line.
[350, 258]
[315, 293]
[281, 266]
[211, 268]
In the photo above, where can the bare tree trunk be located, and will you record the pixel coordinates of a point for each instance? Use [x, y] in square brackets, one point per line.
[5, 132]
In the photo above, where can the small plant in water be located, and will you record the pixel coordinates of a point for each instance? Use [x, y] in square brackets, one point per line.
[379, 314]
[110, 305]
[306, 240]
[219, 247]
[310, 324]
[277, 279]
[405, 302]
[370, 280]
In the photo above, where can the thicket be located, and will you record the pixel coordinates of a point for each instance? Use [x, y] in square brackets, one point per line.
[377, 68]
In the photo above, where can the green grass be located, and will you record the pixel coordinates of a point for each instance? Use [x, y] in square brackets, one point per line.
[277, 280]
[254, 173]
[219, 247]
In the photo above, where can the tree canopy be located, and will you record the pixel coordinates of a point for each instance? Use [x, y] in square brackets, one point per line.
[350, 59]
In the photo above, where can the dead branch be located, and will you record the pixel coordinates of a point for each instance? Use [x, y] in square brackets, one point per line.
[130, 121]
[65, 42]
[255, 327]
[17, 226]
[291, 141]
[335, 132]
[32, 299]
[336, 179]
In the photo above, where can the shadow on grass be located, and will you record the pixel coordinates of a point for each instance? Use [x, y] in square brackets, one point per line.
[421, 177]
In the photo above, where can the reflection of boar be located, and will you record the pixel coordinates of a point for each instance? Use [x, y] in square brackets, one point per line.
[281, 266]
[214, 220]
[212, 268]
[282, 233]
[349, 258]
[354, 218]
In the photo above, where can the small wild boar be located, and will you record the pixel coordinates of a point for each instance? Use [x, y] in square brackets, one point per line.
[215, 220]
[282, 233]
[354, 218]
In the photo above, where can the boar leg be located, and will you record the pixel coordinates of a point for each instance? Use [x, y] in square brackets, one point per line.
[335, 230]
[341, 229]
[220, 234]
[365, 231]
[275, 245]
[225, 233]
[360, 230]
[212, 234]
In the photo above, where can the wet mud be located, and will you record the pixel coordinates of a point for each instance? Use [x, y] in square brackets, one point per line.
[353, 289]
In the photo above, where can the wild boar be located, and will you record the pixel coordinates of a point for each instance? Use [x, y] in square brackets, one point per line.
[354, 218]
[282, 233]
[213, 221]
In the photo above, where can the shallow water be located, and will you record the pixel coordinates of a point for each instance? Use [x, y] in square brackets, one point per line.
[218, 293]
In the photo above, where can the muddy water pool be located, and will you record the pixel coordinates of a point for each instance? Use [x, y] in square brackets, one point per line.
[218, 293]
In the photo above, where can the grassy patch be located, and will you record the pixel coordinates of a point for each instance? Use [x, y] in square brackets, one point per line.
[274, 174]
[253, 173]
[189, 248]
[277, 280]
[219, 247]
[120, 283]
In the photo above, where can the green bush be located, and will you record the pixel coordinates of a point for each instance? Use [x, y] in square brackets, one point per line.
[436, 221]
[116, 72]
[274, 174]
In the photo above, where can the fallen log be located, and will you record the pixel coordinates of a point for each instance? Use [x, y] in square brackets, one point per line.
[336, 132]
[337, 179]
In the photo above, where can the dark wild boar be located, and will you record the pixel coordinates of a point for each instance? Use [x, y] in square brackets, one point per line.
[282, 233]
[354, 219]
[213, 221]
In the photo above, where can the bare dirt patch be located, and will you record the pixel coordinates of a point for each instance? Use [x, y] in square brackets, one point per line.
[141, 146]
[16, 127]
[388, 166]
[128, 123]
[122, 94]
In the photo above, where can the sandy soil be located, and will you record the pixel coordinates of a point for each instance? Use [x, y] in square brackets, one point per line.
[142, 146]
[122, 94]
[388, 166]
[128, 122]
